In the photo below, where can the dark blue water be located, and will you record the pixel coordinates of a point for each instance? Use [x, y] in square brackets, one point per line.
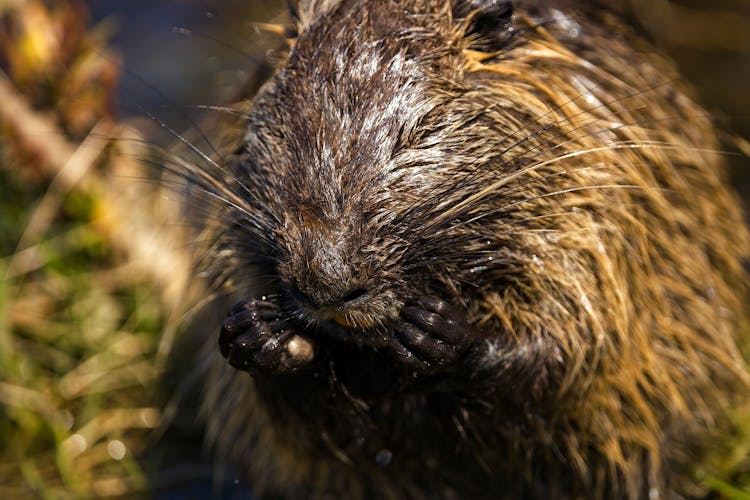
[180, 53]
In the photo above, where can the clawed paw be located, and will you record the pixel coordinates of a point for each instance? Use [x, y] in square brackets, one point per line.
[255, 338]
[431, 335]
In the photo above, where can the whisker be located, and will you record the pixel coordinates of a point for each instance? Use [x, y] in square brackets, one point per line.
[180, 30]
[477, 172]
[151, 87]
[221, 109]
[491, 191]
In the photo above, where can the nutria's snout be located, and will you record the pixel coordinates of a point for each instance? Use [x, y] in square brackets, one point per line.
[339, 304]
[327, 296]
[328, 278]
[357, 309]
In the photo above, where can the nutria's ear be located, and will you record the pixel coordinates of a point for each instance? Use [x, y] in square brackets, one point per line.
[292, 28]
[293, 9]
[489, 22]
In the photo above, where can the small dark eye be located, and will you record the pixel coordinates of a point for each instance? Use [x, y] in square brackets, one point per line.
[290, 32]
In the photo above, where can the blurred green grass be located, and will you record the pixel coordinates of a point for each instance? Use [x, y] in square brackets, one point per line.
[79, 386]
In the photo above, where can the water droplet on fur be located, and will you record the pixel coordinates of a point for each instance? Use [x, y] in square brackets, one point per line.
[300, 349]
[383, 457]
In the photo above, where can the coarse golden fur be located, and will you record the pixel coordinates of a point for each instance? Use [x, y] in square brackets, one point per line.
[539, 174]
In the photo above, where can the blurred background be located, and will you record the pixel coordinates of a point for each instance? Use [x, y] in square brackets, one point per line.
[95, 279]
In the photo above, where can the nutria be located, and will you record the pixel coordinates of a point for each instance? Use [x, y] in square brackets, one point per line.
[481, 249]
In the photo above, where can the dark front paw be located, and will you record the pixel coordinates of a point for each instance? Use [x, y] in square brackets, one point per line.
[431, 335]
[256, 339]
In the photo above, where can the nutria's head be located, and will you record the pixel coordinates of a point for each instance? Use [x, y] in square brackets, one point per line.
[363, 160]
[412, 148]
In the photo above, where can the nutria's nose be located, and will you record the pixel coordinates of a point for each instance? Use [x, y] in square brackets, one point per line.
[339, 297]
[317, 298]
[325, 268]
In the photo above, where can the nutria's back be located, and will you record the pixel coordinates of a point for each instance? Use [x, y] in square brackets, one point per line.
[482, 248]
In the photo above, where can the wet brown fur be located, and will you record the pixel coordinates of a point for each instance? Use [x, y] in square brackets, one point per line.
[565, 192]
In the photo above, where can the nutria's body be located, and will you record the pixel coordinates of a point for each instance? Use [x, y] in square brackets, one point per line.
[481, 252]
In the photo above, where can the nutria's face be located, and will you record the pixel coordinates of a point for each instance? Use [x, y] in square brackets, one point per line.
[346, 151]
[367, 161]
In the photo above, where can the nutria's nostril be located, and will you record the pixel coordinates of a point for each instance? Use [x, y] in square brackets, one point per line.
[354, 295]
[325, 297]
